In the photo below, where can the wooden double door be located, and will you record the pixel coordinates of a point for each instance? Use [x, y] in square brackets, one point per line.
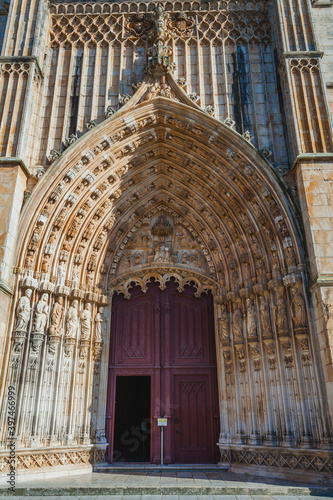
[169, 337]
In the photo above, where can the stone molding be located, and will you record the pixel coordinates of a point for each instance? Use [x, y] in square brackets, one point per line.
[5, 289]
[10, 162]
[34, 459]
[307, 461]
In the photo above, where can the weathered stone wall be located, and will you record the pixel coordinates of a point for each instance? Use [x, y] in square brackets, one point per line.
[323, 21]
[315, 186]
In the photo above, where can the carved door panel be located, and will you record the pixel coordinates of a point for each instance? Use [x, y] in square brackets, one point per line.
[134, 332]
[190, 331]
[193, 424]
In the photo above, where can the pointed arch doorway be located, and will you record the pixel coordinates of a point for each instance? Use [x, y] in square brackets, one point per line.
[162, 342]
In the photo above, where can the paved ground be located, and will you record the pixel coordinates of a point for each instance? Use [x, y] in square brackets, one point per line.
[174, 497]
[166, 485]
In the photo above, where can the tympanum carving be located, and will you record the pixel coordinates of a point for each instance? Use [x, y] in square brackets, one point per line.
[162, 239]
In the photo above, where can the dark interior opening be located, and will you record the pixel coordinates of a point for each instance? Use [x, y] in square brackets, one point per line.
[132, 420]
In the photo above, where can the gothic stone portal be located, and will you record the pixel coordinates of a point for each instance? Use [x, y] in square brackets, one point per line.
[170, 337]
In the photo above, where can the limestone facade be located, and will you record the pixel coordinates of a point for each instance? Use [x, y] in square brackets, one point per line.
[178, 140]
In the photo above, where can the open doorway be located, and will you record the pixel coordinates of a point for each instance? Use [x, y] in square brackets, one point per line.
[132, 419]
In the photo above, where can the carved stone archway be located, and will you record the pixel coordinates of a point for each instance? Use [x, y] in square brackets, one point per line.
[161, 156]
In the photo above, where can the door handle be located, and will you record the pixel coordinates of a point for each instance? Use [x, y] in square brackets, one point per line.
[177, 431]
[176, 421]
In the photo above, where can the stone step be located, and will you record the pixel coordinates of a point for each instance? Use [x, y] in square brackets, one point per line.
[267, 491]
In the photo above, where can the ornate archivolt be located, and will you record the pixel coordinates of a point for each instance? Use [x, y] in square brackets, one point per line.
[163, 190]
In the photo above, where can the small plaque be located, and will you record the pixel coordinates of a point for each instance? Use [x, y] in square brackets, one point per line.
[162, 422]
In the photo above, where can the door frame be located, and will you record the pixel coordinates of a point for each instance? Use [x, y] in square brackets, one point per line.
[149, 371]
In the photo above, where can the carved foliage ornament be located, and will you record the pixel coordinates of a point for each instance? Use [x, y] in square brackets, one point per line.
[201, 283]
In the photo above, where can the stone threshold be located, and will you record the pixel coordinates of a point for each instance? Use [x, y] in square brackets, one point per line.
[171, 490]
[137, 467]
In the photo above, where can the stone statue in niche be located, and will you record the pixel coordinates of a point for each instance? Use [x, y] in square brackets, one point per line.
[237, 327]
[162, 254]
[57, 317]
[41, 315]
[234, 279]
[181, 237]
[86, 322]
[61, 273]
[46, 263]
[23, 312]
[247, 271]
[76, 273]
[72, 320]
[251, 319]
[198, 259]
[265, 316]
[185, 259]
[290, 255]
[145, 239]
[99, 318]
[298, 309]
[281, 316]
[275, 263]
[224, 324]
[137, 259]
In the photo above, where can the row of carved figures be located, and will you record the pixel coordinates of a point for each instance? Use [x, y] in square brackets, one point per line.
[270, 397]
[40, 317]
[298, 314]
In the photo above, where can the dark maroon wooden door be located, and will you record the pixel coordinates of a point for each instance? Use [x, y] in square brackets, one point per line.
[193, 430]
[169, 336]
